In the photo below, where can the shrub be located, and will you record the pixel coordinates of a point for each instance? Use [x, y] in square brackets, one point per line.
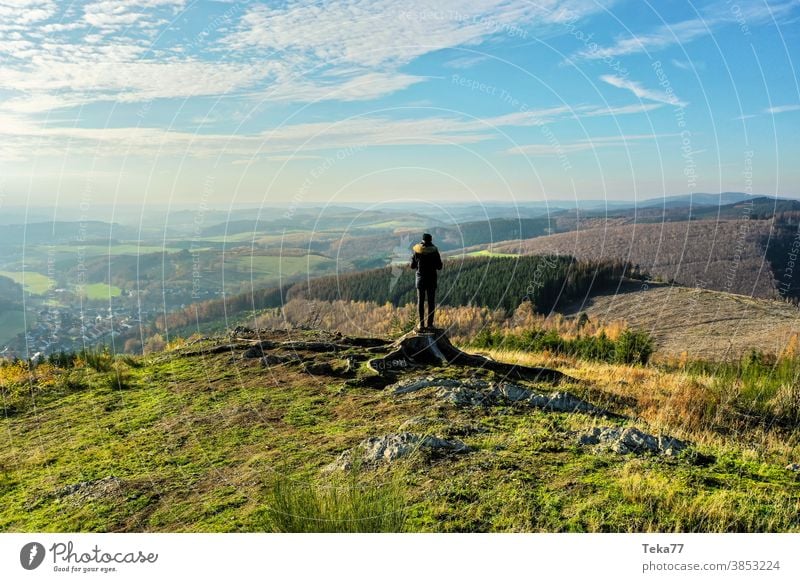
[98, 360]
[633, 347]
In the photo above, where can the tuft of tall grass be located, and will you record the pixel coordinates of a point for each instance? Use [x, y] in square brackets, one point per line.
[341, 505]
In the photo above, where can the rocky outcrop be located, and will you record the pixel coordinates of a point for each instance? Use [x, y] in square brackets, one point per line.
[478, 392]
[375, 451]
[631, 440]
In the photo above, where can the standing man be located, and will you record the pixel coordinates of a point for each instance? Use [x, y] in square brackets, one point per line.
[426, 260]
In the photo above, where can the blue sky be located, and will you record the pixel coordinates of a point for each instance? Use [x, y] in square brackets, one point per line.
[180, 102]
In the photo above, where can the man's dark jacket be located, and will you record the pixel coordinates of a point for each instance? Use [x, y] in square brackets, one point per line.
[426, 260]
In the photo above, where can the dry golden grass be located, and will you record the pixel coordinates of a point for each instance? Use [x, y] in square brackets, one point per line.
[697, 407]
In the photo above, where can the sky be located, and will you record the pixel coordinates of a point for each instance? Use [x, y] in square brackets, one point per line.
[219, 103]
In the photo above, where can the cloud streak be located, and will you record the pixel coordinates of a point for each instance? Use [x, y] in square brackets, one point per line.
[743, 14]
[642, 92]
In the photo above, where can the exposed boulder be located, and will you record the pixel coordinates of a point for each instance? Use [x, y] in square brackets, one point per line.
[564, 402]
[462, 396]
[478, 392]
[408, 385]
[88, 490]
[631, 440]
[375, 451]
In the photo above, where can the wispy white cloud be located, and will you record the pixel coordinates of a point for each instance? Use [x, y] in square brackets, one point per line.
[662, 37]
[774, 110]
[693, 65]
[366, 43]
[20, 135]
[591, 144]
[642, 92]
[113, 15]
[782, 109]
[467, 62]
[346, 50]
[745, 14]
[621, 110]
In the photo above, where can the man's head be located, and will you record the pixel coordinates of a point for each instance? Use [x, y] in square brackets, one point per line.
[427, 238]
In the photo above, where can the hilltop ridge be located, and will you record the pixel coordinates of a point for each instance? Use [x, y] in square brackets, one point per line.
[196, 437]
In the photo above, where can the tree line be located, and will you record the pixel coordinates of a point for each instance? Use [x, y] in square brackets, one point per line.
[494, 282]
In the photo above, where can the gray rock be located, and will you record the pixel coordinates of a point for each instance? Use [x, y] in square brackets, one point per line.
[413, 384]
[375, 451]
[564, 402]
[461, 396]
[512, 392]
[631, 440]
[91, 489]
[477, 392]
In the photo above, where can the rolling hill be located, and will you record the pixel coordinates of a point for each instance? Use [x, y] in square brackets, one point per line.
[725, 255]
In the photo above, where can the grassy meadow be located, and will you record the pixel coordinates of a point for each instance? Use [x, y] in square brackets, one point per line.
[186, 440]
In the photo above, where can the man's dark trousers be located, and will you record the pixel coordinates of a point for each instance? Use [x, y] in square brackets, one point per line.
[426, 292]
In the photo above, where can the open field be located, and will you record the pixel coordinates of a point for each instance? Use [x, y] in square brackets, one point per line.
[286, 266]
[34, 283]
[100, 291]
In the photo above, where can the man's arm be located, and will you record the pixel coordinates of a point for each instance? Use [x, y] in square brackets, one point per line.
[413, 264]
[438, 261]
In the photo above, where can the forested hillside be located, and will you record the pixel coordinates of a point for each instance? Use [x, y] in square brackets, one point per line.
[494, 282]
[483, 281]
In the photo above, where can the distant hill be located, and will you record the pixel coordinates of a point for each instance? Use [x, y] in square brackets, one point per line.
[63, 232]
[696, 199]
[725, 255]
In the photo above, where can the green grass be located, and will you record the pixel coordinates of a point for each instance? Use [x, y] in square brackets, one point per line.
[260, 265]
[11, 324]
[100, 291]
[34, 283]
[338, 505]
[487, 253]
[210, 444]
